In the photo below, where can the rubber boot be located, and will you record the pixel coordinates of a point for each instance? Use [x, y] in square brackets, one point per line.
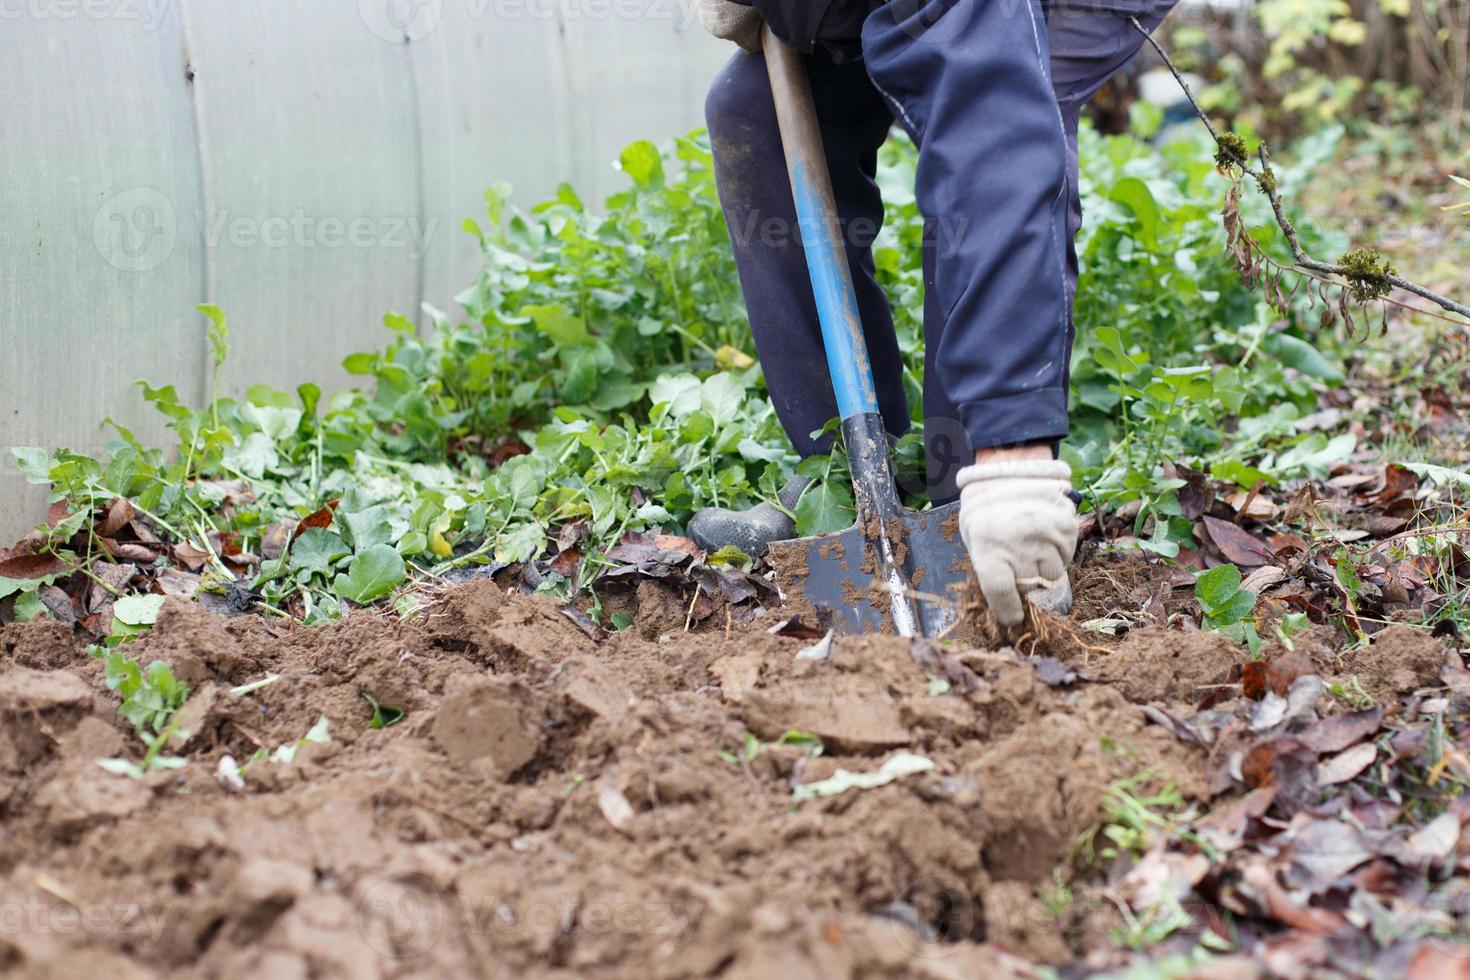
[751, 530]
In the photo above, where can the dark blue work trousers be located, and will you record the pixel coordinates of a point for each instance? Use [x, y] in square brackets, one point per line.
[990, 91]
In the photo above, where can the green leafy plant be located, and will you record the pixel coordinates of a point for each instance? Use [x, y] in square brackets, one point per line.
[1226, 606]
[602, 377]
[149, 700]
[750, 747]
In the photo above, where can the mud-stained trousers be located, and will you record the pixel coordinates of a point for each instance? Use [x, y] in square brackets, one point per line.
[990, 91]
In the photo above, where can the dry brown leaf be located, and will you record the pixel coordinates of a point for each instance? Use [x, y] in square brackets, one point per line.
[1282, 672]
[1246, 503]
[1337, 733]
[119, 514]
[1263, 578]
[190, 557]
[1238, 545]
[31, 566]
[1346, 764]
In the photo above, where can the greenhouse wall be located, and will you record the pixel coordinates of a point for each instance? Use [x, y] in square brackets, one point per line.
[305, 166]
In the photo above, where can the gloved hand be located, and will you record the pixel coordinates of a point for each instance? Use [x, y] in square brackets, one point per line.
[732, 21]
[1020, 527]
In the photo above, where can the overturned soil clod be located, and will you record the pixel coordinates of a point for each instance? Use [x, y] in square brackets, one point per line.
[559, 802]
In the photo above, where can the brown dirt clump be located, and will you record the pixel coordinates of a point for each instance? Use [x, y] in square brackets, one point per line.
[552, 803]
[1399, 661]
[41, 644]
[1158, 665]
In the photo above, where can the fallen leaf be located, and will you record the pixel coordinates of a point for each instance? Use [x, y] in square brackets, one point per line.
[190, 557]
[1354, 481]
[111, 579]
[275, 539]
[1322, 851]
[1279, 905]
[1248, 503]
[60, 604]
[130, 550]
[932, 659]
[1238, 545]
[1440, 959]
[1346, 764]
[584, 622]
[1397, 482]
[1269, 712]
[119, 513]
[731, 583]
[1302, 698]
[798, 629]
[230, 492]
[1053, 673]
[1169, 721]
[142, 533]
[1337, 733]
[1284, 763]
[1283, 672]
[1263, 578]
[1383, 526]
[1435, 840]
[1253, 679]
[1197, 496]
[567, 562]
[507, 451]
[31, 566]
[1287, 543]
[1224, 827]
[319, 518]
[673, 542]
[1161, 877]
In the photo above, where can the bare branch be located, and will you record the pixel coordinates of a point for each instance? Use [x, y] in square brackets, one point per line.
[1266, 180]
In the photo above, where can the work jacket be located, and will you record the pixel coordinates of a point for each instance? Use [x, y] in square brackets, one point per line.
[835, 25]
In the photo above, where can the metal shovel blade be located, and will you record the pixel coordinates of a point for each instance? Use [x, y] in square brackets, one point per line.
[844, 575]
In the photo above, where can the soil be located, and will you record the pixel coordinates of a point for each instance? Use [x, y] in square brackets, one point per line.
[553, 804]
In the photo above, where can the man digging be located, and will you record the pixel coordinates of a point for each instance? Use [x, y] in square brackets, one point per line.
[990, 91]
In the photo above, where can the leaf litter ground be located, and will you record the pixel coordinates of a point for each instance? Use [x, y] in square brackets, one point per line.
[557, 799]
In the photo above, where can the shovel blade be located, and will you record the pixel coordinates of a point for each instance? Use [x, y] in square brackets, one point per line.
[842, 574]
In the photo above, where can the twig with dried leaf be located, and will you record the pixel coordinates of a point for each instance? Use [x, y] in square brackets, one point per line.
[1363, 273]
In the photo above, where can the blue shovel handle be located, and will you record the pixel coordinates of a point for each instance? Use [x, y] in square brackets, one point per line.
[821, 232]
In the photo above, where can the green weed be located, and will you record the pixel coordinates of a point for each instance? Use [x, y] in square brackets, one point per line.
[603, 376]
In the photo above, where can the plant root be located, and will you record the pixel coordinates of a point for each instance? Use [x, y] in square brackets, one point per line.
[1038, 634]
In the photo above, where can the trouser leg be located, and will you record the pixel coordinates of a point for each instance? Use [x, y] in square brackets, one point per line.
[970, 80]
[1088, 43]
[750, 174]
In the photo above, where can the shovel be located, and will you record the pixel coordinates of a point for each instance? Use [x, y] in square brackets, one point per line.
[893, 570]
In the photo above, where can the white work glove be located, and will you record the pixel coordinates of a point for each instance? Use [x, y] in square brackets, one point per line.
[732, 21]
[1020, 527]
